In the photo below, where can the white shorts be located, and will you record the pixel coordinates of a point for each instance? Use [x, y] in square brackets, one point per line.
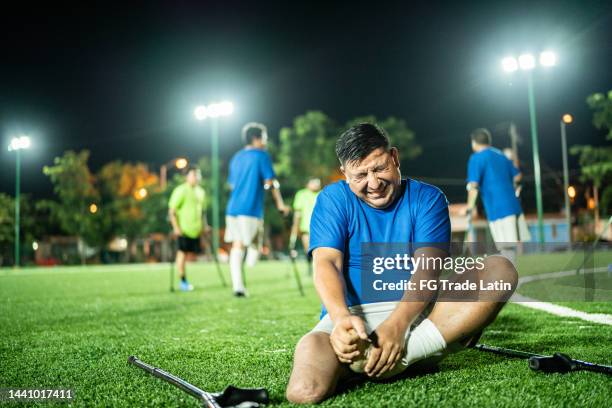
[372, 313]
[243, 228]
[510, 229]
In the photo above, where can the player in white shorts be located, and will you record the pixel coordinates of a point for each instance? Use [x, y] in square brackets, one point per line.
[250, 173]
[492, 176]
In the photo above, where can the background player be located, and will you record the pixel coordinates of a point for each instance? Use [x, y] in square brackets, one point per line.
[494, 176]
[185, 210]
[303, 205]
[250, 173]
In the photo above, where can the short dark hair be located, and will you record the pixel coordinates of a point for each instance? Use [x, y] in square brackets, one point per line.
[252, 131]
[481, 136]
[359, 141]
[190, 168]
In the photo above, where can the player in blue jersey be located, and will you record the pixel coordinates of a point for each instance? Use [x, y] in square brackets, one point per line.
[250, 173]
[494, 177]
[359, 332]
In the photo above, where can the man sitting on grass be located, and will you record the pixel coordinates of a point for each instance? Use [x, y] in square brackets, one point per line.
[358, 332]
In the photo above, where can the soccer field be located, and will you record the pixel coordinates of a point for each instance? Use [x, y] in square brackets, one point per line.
[75, 327]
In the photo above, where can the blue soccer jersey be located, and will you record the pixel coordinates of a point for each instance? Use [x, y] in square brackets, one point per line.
[494, 174]
[248, 170]
[342, 221]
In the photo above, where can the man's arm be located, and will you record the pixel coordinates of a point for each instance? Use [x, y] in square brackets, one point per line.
[330, 287]
[472, 189]
[274, 185]
[174, 221]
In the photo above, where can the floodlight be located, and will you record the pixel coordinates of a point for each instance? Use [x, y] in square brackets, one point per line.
[548, 59]
[526, 62]
[226, 108]
[200, 112]
[19, 143]
[509, 64]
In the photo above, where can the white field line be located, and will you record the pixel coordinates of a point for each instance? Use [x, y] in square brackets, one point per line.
[558, 310]
[83, 269]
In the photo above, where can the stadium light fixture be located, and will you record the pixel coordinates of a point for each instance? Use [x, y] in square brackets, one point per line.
[17, 145]
[571, 192]
[200, 112]
[526, 62]
[548, 59]
[93, 208]
[509, 64]
[214, 111]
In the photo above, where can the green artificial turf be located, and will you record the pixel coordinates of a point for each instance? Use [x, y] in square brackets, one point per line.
[75, 327]
[534, 264]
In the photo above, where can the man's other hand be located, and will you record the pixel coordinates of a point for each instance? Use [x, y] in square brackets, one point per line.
[345, 336]
[388, 348]
[284, 210]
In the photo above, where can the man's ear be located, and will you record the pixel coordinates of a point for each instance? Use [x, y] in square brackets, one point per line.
[344, 173]
[395, 155]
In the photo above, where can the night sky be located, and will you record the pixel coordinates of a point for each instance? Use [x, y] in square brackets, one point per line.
[122, 81]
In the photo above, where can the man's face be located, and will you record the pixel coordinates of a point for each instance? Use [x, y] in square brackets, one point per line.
[194, 177]
[314, 185]
[376, 179]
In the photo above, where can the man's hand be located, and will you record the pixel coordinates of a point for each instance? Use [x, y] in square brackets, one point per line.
[390, 343]
[345, 336]
[284, 209]
[177, 231]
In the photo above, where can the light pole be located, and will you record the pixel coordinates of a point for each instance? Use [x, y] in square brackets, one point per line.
[566, 120]
[18, 144]
[527, 62]
[213, 111]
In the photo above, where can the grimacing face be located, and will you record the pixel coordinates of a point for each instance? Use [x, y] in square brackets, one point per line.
[376, 179]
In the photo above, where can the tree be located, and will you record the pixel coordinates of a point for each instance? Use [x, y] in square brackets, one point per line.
[34, 224]
[595, 167]
[305, 150]
[602, 111]
[73, 184]
[596, 162]
[124, 188]
[7, 226]
[400, 135]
